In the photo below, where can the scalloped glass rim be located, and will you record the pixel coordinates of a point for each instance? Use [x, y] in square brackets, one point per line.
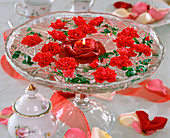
[154, 3]
[87, 88]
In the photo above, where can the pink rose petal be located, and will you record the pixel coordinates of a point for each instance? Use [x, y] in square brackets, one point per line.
[74, 133]
[105, 96]
[164, 10]
[157, 15]
[139, 7]
[7, 111]
[156, 85]
[4, 120]
[136, 125]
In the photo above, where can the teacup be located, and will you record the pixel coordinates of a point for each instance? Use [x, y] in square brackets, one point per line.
[33, 8]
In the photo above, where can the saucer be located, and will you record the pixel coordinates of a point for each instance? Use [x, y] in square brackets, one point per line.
[17, 20]
[157, 4]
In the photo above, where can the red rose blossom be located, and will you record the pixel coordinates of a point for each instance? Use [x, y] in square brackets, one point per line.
[58, 35]
[102, 74]
[123, 41]
[51, 47]
[142, 48]
[44, 59]
[68, 73]
[126, 52]
[120, 61]
[79, 20]
[58, 24]
[94, 64]
[87, 28]
[96, 21]
[129, 32]
[82, 53]
[66, 63]
[76, 34]
[153, 125]
[31, 40]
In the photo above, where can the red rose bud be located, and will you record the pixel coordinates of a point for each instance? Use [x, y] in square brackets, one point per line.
[147, 38]
[44, 59]
[120, 61]
[104, 74]
[126, 52]
[68, 73]
[96, 21]
[66, 63]
[79, 20]
[94, 64]
[123, 41]
[51, 47]
[87, 28]
[142, 48]
[153, 125]
[76, 34]
[58, 24]
[83, 54]
[31, 40]
[57, 35]
[129, 32]
[121, 4]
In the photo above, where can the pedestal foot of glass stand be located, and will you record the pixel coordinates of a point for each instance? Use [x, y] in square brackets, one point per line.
[96, 114]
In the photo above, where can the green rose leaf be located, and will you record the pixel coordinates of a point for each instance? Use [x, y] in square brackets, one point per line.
[136, 41]
[29, 29]
[16, 54]
[124, 68]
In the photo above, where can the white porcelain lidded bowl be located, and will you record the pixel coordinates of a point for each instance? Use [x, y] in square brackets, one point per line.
[32, 117]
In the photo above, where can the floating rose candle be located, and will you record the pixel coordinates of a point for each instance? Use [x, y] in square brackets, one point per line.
[84, 51]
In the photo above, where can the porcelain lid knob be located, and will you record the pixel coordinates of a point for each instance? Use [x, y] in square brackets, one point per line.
[31, 91]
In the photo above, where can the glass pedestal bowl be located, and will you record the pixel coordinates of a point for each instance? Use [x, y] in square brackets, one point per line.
[83, 83]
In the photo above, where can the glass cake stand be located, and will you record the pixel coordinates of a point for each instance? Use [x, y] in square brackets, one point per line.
[96, 114]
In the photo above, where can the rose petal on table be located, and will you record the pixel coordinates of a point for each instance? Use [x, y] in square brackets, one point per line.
[139, 7]
[127, 119]
[98, 133]
[140, 90]
[136, 125]
[121, 12]
[121, 4]
[145, 18]
[156, 85]
[106, 96]
[66, 94]
[74, 133]
[4, 120]
[164, 10]
[7, 111]
[156, 14]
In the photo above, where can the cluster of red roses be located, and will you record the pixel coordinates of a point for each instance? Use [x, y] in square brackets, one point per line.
[125, 39]
[80, 32]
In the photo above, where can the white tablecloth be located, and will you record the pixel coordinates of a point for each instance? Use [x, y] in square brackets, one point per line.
[11, 89]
